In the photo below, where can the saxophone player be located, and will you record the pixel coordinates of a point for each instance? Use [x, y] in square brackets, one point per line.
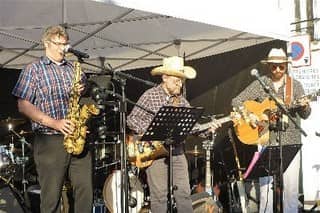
[43, 93]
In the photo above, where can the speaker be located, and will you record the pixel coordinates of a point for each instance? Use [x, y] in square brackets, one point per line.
[8, 202]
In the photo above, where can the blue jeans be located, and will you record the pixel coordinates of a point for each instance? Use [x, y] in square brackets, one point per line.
[157, 181]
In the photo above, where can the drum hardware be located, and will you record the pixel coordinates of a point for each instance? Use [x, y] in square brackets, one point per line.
[12, 121]
[106, 165]
[23, 132]
[106, 143]
[195, 152]
[101, 94]
[22, 161]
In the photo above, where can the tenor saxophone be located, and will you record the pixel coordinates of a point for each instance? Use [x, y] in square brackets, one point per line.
[74, 143]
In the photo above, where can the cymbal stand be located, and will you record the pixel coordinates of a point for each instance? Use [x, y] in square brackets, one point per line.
[23, 161]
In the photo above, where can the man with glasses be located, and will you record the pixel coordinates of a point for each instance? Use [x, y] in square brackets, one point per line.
[169, 93]
[173, 73]
[43, 92]
[286, 90]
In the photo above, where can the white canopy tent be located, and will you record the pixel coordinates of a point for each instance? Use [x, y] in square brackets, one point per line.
[122, 37]
[269, 18]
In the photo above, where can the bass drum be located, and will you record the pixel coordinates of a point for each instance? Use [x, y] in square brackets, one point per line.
[202, 202]
[112, 193]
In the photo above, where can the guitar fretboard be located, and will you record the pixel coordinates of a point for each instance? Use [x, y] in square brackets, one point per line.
[203, 127]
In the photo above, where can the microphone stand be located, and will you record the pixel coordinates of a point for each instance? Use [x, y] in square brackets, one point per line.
[109, 71]
[280, 127]
[123, 150]
[121, 78]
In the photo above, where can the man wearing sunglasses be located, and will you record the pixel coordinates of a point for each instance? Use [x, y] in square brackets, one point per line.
[286, 90]
[43, 92]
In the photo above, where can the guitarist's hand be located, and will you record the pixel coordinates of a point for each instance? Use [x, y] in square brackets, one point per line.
[302, 102]
[254, 119]
[215, 124]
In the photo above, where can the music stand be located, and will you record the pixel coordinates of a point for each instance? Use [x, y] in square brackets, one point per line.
[172, 125]
[268, 164]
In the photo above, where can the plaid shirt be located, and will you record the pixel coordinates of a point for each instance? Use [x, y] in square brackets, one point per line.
[46, 85]
[153, 99]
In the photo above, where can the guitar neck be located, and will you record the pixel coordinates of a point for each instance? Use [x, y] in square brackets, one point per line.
[312, 97]
[203, 127]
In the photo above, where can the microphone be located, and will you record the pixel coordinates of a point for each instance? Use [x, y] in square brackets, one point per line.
[255, 73]
[68, 49]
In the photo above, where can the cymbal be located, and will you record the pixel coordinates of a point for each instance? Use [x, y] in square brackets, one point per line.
[195, 153]
[12, 121]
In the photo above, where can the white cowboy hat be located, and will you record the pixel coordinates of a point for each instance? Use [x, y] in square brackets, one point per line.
[174, 66]
[276, 56]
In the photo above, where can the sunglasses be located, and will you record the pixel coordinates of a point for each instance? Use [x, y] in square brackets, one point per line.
[275, 66]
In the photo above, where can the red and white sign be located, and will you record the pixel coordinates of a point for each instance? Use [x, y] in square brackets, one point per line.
[300, 50]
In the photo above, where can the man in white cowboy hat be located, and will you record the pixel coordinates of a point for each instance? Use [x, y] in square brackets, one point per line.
[286, 90]
[173, 74]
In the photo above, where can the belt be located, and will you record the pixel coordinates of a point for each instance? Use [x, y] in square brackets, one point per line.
[46, 133]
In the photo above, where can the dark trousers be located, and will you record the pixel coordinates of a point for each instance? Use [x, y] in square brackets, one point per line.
[53, 163]
[157, 181]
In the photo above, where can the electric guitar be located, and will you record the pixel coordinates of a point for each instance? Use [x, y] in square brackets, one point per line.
[142, 153]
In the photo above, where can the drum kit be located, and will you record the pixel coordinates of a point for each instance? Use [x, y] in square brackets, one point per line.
[14, 159]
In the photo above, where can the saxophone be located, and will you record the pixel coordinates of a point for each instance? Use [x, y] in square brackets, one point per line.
[74, 143]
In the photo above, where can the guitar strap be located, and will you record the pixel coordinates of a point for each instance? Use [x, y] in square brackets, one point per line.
[288, 90]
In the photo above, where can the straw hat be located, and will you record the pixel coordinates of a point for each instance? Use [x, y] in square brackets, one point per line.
[174, 66]
[276, 56]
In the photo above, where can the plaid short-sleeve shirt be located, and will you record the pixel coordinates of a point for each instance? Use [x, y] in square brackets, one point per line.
[47, 85]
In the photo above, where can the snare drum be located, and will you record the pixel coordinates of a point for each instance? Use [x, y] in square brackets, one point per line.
[112, 192]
